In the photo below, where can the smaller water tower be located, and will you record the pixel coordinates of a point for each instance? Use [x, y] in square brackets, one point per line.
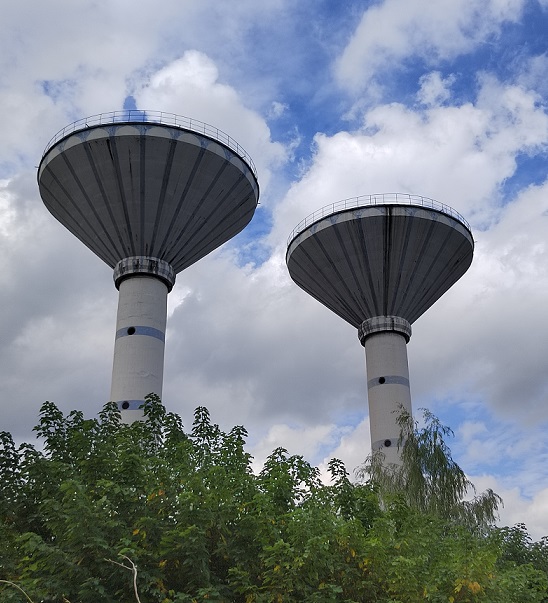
[150, 193]
[380, 262]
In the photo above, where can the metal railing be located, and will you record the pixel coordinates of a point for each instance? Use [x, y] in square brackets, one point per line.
[380, 199]
[154, 117]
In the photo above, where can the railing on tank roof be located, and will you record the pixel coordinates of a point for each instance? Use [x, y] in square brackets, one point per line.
[154, 117]
[380, 199]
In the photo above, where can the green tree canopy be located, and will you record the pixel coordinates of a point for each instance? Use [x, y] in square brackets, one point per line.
[110, 513]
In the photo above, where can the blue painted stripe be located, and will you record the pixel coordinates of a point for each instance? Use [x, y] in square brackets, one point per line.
[388, 380]
[386, 443]
[130, 404]
[147, 331]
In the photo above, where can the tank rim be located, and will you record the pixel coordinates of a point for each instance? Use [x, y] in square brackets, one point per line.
[403, 199]
[134, 116]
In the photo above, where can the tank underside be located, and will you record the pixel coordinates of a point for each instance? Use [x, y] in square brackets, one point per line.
[134, 189]
[382, 260]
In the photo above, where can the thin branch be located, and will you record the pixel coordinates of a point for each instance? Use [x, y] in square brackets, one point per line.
[18, 588]
[132, 569]
[118, 563]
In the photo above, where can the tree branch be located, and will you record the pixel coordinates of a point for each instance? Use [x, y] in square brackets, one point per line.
[132, 569]
[18, 588]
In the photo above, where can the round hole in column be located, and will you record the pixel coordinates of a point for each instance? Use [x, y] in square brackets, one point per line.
[125, 405]
[131, 331]
[387, 443]
[382, 380]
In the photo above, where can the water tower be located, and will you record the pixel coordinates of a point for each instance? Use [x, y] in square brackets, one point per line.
[149, 193]
[380, 262]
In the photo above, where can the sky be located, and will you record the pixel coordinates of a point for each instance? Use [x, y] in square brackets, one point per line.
[332, 100]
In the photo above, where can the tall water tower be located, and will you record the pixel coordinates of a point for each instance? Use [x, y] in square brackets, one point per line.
[150, 193]
[380, 262]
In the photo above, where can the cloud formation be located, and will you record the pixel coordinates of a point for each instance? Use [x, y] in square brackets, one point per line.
[394, 31]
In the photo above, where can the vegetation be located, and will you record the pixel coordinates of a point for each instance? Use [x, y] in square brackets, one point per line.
[428, 479]
[111, 513]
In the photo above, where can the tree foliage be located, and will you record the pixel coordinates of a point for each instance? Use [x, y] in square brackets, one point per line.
[428, 479]
[110, 513]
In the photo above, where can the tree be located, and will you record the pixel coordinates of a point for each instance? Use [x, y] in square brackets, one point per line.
[149, 513]
[428, 479]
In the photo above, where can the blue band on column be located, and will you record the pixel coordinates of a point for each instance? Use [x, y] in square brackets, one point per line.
[388, 380]
[147, 331]
[386, 443]
[130, 404]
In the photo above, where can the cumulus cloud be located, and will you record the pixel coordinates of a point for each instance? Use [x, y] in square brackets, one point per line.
[277, 109]
[395, 30]
[300, 440]
[434, 89]
[58, 312]
[90, 57]
[51, 76]
[460, 155]
[533, 73]
[531, 511]
[489, 350]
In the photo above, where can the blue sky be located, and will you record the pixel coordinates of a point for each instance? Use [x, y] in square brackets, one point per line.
[332, 100]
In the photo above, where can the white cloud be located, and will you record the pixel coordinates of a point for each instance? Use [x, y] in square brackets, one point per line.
[299, 440]
[434, 89]
[75, 66]
[534, 73]
[353, 449]
[532, 511]
[489, 328]
[395, 30]
[8, 214]
[459, 155]
[91, 55]
[277, 110]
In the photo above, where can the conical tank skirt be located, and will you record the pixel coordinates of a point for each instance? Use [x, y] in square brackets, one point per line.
[381, 260]
[142, 189]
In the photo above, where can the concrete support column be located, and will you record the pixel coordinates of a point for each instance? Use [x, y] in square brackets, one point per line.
[385, 341]
[138, 366]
